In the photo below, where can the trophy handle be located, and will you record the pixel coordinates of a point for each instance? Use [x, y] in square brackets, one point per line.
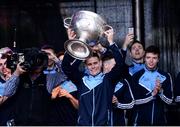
[67, 22]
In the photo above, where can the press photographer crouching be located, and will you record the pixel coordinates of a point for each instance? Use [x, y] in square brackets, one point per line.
[29, 89]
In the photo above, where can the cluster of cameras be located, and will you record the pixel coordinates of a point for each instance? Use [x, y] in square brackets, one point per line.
[29, 59]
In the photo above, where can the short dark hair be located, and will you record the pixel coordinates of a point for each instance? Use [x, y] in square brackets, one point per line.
[152, 49]
[134, 42]
[94, 54]
[46, 46]
[108, 55]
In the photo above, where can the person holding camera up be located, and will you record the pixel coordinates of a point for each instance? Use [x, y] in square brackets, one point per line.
[5, 74]
[30, 90]
[133, 50]
[136, 54]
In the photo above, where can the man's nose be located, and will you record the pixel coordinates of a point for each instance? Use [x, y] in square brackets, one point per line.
[3, 66]
[151, 60]
[93, 66]
[136, 49]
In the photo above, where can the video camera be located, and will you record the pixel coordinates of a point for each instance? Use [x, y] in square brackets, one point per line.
[29, 59]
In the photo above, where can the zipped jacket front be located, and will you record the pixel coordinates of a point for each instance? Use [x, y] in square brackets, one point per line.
[96, 99]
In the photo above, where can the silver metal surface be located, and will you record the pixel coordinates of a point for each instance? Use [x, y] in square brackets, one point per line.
[88, 27]
[77, 49]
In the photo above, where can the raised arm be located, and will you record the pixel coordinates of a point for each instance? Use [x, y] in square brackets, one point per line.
[115, 74]
[53, 79]
[70, 67]
[57, 78]
[10, 86]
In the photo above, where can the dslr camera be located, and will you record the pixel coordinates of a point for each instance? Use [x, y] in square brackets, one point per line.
[29, 59]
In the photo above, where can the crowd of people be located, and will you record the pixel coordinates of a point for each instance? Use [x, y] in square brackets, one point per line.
[49, 88]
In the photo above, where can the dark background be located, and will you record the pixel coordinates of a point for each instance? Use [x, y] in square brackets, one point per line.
[31, 23]
[37, 22]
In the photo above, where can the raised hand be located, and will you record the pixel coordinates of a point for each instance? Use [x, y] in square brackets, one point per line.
[51, 55]
[128, 39]
[71, 34]
[109, 34]
[19, 70]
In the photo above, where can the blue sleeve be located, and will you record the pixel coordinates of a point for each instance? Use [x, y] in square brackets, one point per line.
[11, 86]
[59, 65]
[2, 86]
[55, 79]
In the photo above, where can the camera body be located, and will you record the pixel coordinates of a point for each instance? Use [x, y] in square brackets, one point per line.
[29, 59]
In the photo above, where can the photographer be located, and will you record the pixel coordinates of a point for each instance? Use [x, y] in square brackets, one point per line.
[5, 74]
[30, 90]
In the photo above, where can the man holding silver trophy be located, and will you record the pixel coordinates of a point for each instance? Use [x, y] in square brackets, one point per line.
[95, 87]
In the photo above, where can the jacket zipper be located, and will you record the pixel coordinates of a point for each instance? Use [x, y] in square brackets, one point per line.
[93, 108]
[152, 117]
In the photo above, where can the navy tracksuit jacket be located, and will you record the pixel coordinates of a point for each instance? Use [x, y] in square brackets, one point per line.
[95, 102]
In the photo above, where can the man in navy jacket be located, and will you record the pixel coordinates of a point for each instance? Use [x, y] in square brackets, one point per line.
[95, 88]
[152, 90]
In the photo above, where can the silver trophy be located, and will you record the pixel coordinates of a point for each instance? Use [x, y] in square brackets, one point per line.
[88, 27]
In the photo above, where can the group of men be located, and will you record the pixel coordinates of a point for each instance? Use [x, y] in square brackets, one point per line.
[106, 91]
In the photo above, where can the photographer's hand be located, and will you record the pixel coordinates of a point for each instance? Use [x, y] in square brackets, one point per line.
[51, 55]
[19, 70]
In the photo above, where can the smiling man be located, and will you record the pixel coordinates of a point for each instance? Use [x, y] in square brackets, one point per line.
[95, 88]
[152, 90]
